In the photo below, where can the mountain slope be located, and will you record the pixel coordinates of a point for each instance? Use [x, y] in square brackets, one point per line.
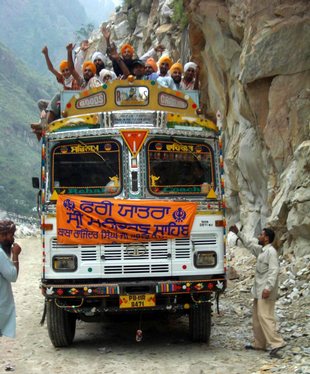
[28, 25]
[19, 150]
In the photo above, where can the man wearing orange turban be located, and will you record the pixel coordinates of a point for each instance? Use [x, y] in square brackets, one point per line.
[126, 54]
[164, 64]
[151, 69]
[89, 79]
[64, 77]
[174, 80]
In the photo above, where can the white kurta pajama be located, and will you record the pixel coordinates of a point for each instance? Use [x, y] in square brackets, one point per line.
[8, 274]
[266, 277]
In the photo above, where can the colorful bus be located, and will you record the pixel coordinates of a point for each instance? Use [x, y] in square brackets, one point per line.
[132, 208]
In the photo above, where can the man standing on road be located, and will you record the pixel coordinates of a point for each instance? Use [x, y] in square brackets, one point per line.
[8, 273]
[265, 291]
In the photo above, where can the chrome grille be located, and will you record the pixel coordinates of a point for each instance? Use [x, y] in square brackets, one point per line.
[153, 251]
[182, 248]
[55, 245]
[89, 255]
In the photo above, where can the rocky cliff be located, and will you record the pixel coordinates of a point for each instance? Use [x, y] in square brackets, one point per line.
[255, 63]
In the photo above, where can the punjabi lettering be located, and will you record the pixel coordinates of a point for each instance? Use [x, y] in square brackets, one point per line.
[98, 221]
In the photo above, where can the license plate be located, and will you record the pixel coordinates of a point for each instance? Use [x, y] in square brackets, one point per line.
[137, 301]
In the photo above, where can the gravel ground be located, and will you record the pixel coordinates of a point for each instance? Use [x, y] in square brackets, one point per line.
[110, 347]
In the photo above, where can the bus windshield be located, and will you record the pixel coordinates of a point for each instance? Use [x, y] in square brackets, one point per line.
[88, 168]
[179, 168]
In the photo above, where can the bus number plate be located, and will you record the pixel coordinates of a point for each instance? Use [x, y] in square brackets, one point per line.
[137, 301]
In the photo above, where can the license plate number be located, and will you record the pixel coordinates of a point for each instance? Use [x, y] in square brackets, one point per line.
[137, 301]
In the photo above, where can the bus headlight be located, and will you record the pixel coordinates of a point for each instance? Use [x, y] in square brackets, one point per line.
[205, 259]
[65, 263]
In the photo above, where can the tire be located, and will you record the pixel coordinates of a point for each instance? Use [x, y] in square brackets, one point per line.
[200, 322]
[60, 324]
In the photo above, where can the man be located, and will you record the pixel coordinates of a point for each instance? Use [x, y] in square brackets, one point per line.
[151, 69]
[164, 64]
[80, 55]
[85, 82]
[107, 75]
[174, 81]
[89, 79]
[64, 77]
[190, 80]
[264, 291]
[8, 273]
[127, 53]
[138, 69]
[98, 60]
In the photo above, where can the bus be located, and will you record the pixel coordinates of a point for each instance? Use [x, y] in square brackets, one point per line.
[131, 200]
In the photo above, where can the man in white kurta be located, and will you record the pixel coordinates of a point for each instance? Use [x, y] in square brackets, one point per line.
[8, 273]
[265, 291]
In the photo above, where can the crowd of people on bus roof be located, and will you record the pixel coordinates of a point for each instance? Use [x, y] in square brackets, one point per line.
[77, 73]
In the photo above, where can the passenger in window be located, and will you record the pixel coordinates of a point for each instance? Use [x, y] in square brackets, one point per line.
[174, 81]
[190, 80]
[164, 64]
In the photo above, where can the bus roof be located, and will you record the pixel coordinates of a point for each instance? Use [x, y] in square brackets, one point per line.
[132, 97]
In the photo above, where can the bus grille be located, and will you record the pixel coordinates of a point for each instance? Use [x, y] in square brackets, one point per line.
[152, 257]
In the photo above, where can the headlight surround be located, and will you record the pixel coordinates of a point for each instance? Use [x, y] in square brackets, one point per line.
[64, 263]
[205, 259]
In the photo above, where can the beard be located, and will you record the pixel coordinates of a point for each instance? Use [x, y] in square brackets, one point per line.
[7, 246]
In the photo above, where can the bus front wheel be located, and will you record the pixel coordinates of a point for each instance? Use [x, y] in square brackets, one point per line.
[60, 324]
[200, 322]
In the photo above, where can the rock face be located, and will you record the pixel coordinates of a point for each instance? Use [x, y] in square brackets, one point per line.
[255, 68]
[257, 73]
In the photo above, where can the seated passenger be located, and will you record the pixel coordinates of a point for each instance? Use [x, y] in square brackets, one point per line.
[174, 81]
[38, 127]
[98, 60]
[85, 82]
[138, 69]
[89, 79]
[127, 53]
[151, 69]
[164, 64]
[107, 75]
[64, 77]
[190, 80]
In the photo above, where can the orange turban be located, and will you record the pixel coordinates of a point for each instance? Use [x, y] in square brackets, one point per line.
[90, 65]
[127, 46]
[166, 59]
[63, 65]
[150, 61]
[176, 66]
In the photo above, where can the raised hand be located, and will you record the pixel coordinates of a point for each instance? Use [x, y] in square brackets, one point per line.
[106, 33]
[45, 50]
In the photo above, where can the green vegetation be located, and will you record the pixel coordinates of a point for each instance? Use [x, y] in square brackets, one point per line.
[19, 149]
[27, 26]
[179, 16]
[84, 32]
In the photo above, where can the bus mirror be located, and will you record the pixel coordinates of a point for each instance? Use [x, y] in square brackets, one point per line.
[35, 182]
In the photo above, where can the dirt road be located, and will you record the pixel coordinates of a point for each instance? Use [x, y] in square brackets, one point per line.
[110, 347]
